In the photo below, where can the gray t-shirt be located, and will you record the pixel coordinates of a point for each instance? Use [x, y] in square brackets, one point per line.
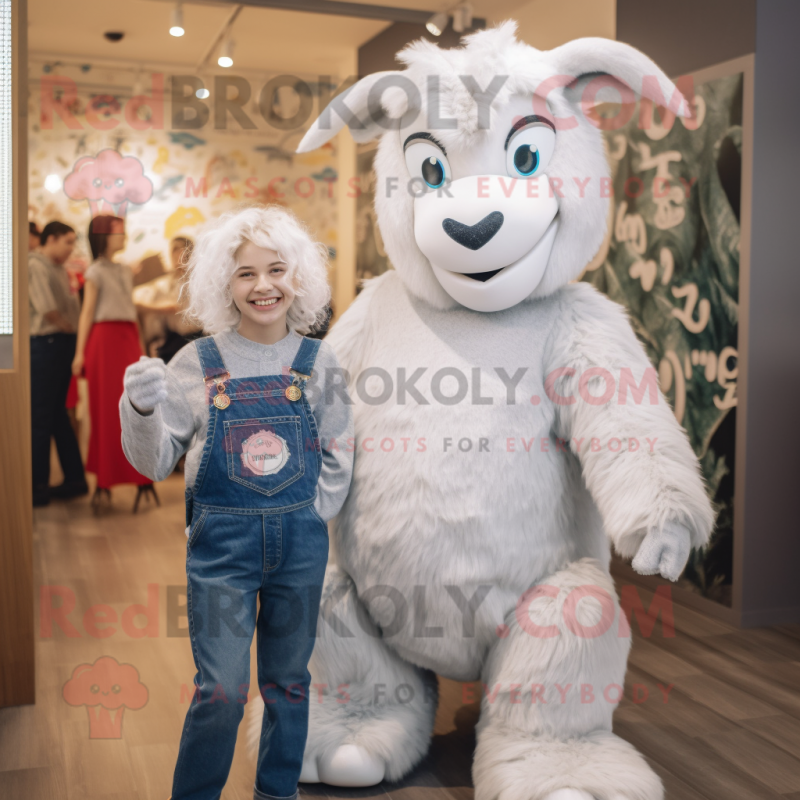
[48, 290]
[114, 290]
[153, 443]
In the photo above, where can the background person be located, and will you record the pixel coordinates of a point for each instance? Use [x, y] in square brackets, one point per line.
[34, 237]
[162, 296]
[54, 311]
[108, 341]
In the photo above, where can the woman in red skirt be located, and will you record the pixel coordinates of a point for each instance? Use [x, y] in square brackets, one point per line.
[108, 342]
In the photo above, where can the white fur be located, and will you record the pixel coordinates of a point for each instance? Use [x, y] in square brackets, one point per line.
[452, 521]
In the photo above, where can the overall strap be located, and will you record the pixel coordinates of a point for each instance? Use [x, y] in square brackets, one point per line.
[211, 360]
[306, 356]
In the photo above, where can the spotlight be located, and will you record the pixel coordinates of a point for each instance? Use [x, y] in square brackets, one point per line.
[462, 18]
[176, 29]
[437, 23]
[202, 94]
[226, 54]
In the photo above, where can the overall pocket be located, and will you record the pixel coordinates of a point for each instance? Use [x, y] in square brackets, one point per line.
[196, 527]
[266, 453]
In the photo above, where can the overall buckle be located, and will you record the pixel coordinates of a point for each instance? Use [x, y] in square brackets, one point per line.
[221, 400]
[295, 391]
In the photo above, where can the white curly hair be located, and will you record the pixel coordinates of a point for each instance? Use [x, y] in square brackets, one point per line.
[214, 260]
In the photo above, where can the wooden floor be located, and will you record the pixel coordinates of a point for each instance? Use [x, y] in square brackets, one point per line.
[730, 730]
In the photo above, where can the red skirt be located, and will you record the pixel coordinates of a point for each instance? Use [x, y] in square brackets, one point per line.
[112, 347]
[72, 393]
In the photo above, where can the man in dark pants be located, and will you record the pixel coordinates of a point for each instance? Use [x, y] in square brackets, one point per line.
[54, 314]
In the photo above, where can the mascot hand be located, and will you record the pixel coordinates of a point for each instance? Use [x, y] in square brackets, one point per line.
[145, 383]
[665, 551]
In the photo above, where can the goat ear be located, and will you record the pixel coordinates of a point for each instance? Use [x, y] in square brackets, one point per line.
[592, 55]
[355, 108]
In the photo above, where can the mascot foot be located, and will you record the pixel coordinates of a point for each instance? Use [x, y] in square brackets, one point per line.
[526, 766]
[347, 765]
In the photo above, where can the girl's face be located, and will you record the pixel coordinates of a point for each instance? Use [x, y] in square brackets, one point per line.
[261, 287]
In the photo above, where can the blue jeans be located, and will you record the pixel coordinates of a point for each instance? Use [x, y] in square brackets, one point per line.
[51, 373]
[232, 560]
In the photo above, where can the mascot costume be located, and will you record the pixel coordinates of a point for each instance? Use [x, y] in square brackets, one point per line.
[509, 429]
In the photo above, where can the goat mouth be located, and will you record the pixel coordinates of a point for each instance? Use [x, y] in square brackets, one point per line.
[482, 276]
[501, 288]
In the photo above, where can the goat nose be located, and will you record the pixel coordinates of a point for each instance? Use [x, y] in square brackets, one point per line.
[474, 236]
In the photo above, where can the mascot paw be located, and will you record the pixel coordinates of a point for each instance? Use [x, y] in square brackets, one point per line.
[347, 765]
[665, 551]
[569, 794]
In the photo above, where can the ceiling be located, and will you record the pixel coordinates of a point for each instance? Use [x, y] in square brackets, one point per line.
[267, 40]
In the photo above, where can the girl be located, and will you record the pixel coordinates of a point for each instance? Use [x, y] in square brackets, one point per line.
[108, 341]
[265, 424]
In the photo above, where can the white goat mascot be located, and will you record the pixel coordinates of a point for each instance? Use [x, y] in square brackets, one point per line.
[493, 462]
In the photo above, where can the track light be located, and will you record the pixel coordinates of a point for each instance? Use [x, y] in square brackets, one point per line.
[176, 29]
[226, 53]
[437, 23]
[462, 18]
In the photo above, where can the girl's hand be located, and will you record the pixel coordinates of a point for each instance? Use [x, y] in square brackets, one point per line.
[77, 366]
[145, 383]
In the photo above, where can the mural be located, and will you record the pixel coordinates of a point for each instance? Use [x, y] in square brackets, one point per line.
[673, 261]
[109, 182]
[371, 258]
[103, 152]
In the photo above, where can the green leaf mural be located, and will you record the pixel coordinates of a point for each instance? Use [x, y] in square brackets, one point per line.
[673, 262]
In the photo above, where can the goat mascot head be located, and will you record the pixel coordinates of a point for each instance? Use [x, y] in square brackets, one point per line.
[492, 180]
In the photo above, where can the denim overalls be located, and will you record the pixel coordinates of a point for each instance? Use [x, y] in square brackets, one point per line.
[253, 532]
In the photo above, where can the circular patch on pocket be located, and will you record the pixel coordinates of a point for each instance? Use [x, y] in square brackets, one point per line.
[264, 453]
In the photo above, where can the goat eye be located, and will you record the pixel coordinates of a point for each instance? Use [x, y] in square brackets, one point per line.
[530, 150]
[433, 172]
[427, 162]
[526, 160]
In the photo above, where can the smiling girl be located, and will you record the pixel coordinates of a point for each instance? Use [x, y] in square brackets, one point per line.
[264, 420]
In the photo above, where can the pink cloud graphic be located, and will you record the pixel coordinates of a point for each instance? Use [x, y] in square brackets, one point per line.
[108, 179]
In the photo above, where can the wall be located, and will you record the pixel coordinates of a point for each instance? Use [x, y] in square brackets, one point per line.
[686, 35]
[541, 23]
[378, 53]
[771, 556]
[545, 24]
[682, 36]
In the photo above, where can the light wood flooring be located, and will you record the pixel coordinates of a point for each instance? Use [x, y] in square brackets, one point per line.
[730, 730]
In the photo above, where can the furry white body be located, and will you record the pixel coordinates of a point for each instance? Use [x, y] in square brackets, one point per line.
[510, 503]
[445, 515]
[420, 524]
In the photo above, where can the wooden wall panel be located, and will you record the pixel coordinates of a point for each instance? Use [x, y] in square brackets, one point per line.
[16, 522]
